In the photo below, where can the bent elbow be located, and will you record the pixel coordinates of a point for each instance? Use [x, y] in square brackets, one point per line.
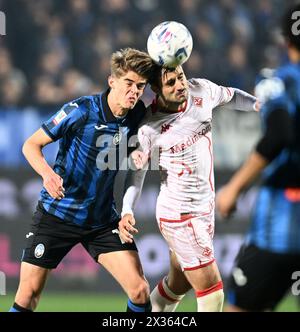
[25, 147]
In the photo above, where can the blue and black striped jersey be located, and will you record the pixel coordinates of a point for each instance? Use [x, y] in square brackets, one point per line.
[276, 218]
[92, 148]
[284, 171]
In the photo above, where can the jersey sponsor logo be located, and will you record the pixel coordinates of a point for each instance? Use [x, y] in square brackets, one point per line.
[39, 250]
[204, 129]
[59, 117]
[198, 101]
[101, 127]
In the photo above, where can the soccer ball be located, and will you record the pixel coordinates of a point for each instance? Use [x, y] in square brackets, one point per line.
[170, 44]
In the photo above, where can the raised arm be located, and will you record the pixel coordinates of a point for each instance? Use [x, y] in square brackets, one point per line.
[231, 98]
[242, 101]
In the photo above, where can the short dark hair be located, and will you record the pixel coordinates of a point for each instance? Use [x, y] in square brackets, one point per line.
[287, 26]
[157, 73]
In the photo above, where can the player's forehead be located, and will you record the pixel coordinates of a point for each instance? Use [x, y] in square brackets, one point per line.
[168, 74]
[133, 77]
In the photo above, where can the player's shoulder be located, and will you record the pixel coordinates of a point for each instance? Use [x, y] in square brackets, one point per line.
[198, 84]
[76, 108]
[287, 71]
[290, 75]
[272, 94]
[82, 104]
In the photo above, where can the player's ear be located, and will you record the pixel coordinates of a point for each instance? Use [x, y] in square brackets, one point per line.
[111, 81]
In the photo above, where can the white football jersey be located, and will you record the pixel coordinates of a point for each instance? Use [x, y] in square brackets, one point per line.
[181, 147]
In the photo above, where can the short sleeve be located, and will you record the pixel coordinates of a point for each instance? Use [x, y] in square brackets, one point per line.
[69, 117]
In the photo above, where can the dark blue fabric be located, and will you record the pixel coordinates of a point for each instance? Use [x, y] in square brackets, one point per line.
[284, 171]
[87, 131]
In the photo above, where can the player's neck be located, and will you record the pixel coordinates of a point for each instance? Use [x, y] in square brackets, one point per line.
[170, 107]
[294, 54]
[117, 110]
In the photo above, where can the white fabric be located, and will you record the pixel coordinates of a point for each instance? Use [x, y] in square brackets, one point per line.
[133, 184]
[180, 145]
[212, 302]
[160, 303]
[241, 101]
[190, 240]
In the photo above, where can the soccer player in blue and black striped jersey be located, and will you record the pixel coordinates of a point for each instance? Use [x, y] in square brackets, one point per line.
[76, 203]
[265, 265]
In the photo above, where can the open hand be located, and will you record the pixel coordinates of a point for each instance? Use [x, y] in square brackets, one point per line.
[226, 201]
[126, 228]
[53, 183]
[139, 158]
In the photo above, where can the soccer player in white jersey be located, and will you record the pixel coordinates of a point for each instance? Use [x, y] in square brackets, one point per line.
[178, 126]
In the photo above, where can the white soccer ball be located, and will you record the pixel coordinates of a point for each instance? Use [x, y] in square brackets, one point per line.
[170, 44]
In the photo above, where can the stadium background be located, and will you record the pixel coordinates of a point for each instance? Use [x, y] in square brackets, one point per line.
[55, 51]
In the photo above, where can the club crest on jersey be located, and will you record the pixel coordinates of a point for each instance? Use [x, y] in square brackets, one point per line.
[39, 250]
[117, 138]
[207, 252]
[59, 117]
[198, 101]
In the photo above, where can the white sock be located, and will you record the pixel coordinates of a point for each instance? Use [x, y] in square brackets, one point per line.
[211, 299]
[163, 299]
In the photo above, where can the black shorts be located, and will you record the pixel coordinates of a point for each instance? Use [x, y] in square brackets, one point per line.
[260, 278]
[50, 239]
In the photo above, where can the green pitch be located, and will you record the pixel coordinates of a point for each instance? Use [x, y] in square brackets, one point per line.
[65, 302]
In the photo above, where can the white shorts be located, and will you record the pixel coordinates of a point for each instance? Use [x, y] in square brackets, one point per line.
[190, 237]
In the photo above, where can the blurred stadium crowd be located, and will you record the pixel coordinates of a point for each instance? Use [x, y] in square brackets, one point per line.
[56, 50]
